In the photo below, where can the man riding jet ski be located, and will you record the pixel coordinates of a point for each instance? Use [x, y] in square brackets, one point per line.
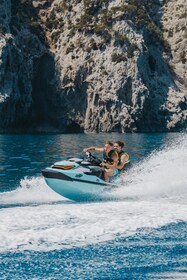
[114, 158]
[80, 179]
[110, 159]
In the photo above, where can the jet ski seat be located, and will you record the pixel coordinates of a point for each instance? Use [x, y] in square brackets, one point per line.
[95, 170]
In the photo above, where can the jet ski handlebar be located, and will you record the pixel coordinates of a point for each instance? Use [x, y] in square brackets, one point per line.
[92, 159]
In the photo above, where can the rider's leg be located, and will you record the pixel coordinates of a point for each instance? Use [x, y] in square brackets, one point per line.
[107, 174]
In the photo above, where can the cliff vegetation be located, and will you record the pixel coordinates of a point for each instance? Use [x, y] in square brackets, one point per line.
[93, 65]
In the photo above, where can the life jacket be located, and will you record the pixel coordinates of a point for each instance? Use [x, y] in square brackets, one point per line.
[107, 157]
[120, 155]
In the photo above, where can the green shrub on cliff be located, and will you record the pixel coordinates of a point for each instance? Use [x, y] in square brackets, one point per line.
[131, 49]
[121, 39]
[2, 29]
[70, 48]
[166, 44]
[153, 29]
[55, 36]
[118, 57]
[85, 19]
[183, 57]
[133, 12]
[94, 3]
[99, 28]
[166, 1]
[185, 33]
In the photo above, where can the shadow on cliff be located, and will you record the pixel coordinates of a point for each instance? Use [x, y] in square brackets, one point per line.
[43, 90]
[158, 78]
[54, 107]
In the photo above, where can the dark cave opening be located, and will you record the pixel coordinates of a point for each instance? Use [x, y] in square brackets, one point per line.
[43, 90]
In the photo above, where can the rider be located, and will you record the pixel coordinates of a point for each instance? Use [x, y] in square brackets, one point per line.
[110, 159]
[123, 156]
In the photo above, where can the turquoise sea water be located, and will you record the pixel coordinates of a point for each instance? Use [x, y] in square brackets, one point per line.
[140, 234]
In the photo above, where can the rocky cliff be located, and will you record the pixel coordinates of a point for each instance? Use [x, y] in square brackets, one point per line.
[93, 65]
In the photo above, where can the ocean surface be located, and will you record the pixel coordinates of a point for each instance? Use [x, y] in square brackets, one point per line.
[141, 233]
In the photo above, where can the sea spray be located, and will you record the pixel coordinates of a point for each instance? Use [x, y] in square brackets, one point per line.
[148, 187]
[51, 226]
[161, 174]
[30, 190]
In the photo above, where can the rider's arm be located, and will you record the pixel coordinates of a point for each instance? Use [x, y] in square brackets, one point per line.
[124, 160]
[93, 149]
[115, 162]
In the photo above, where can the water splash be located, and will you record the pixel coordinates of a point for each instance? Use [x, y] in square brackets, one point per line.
[162, 174]
[156, 186]
[30, 190]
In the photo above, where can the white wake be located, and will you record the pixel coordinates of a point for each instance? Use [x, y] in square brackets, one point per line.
[154, 193]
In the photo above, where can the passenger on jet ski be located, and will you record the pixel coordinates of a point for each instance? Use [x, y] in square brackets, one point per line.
[123, 156]
[110, 159]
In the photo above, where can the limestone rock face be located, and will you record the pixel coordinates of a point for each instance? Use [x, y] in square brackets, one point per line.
[91, 66]
[19, 49]
[174, 21]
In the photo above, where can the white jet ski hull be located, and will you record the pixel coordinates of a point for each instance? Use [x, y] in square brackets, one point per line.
[77, 191]
[78, 183]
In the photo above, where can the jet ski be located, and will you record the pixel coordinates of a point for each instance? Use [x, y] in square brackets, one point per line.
[78, 179]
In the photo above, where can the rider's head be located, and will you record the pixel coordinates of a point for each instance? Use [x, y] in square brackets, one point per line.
[118, 145]
[108, 146]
